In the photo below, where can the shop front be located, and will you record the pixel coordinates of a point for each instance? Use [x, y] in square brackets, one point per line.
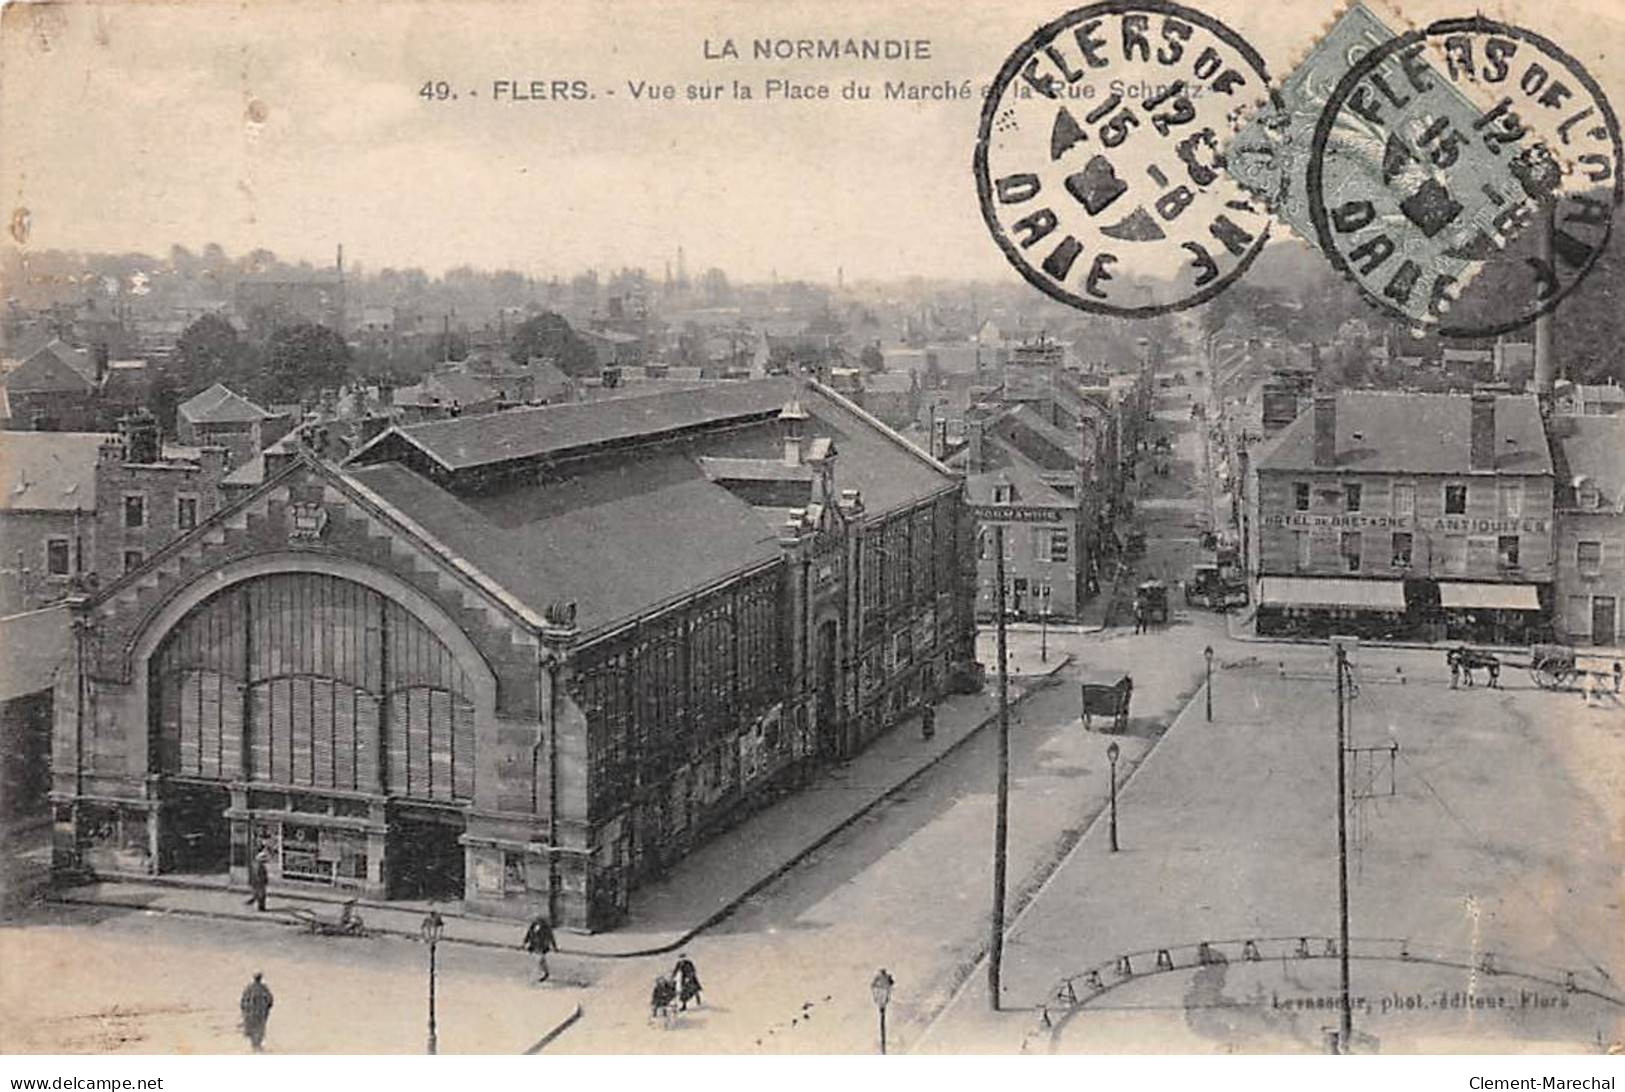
[1498, 614]
[1293, 606]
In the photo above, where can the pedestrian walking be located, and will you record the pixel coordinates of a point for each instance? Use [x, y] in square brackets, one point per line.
[688, 982]
[1139, 618]
[259, 878]
[1618, 671]
[1494, 668]
[1455, 668]
[256, 1005]
[539, 940]
[928, 723]
[660, 1000]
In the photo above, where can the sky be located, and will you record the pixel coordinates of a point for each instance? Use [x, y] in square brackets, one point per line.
[297, 126]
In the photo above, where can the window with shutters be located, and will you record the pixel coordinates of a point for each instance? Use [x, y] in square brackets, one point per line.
[1350, 549]
[1402, 549]
[1404, 500]
[1509, 499]
[58, 557]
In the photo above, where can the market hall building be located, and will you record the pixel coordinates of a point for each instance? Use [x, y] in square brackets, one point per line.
[526, 660]
[1385, 513]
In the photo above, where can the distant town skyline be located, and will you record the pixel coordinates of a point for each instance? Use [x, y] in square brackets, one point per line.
[296, 127]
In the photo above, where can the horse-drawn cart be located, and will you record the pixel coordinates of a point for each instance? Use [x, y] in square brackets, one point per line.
[1107, 695]
[1552, 667]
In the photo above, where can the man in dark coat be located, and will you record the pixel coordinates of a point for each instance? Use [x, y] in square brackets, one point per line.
[688, 981]
[256, 1006]
[539, 940]
[259, 878]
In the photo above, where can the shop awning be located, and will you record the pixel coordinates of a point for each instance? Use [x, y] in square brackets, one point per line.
[1489, 596]
[1309, 591]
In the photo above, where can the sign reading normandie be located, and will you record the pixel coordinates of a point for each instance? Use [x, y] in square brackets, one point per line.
[1354, 522]
[1018, 515]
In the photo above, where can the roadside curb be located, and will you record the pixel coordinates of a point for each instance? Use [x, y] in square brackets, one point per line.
[1038, 683]
[278, 917]
[553, 1033]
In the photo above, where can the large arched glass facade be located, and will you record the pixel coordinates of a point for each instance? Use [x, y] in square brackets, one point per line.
[309, 681]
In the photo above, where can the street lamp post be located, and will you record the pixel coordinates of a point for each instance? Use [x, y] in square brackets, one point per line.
[1112, 751]
[1043, 625]
[1208, 654]
[433, 926]
[880, 988]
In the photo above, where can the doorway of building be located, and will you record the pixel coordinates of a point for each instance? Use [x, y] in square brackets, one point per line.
[196, 836]
[1603, 619]
[425, 858]
[828, 744]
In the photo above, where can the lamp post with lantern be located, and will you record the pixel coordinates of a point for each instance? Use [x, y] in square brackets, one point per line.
[1043, 619]
[880, 989]
[433, 926]
[1112, 751]
[1208, 653]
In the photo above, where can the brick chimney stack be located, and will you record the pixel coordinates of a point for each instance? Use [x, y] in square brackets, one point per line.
[1326, 430]
[1481, 453]
[794, 419]
[142, 443]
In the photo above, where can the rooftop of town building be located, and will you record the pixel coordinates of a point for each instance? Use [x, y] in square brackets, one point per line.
[1402, 432]
[626, 504]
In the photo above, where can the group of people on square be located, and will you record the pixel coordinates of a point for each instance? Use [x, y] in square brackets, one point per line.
[679, 987]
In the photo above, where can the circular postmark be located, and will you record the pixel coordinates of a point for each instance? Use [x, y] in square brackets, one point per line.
[1098, 161]
[1465, 176]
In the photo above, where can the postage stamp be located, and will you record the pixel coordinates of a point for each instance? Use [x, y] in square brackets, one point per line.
[1269, 154]
[1098, 161]
[1465, 176]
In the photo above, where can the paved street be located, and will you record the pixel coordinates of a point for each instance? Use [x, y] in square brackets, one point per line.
[1502, 836]
[88, 980]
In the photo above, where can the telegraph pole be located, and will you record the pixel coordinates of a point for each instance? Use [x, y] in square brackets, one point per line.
[1001, 819]
[1346, 1019]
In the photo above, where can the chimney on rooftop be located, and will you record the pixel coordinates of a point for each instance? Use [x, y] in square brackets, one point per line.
[141, 441]
[793, 419]
[975, 430]
[1481, 453]
[1326, 429]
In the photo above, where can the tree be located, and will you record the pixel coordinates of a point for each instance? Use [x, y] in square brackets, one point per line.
[548, 334]
[162, 400]
[304, 360]
[208, 351]
[872, 359]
